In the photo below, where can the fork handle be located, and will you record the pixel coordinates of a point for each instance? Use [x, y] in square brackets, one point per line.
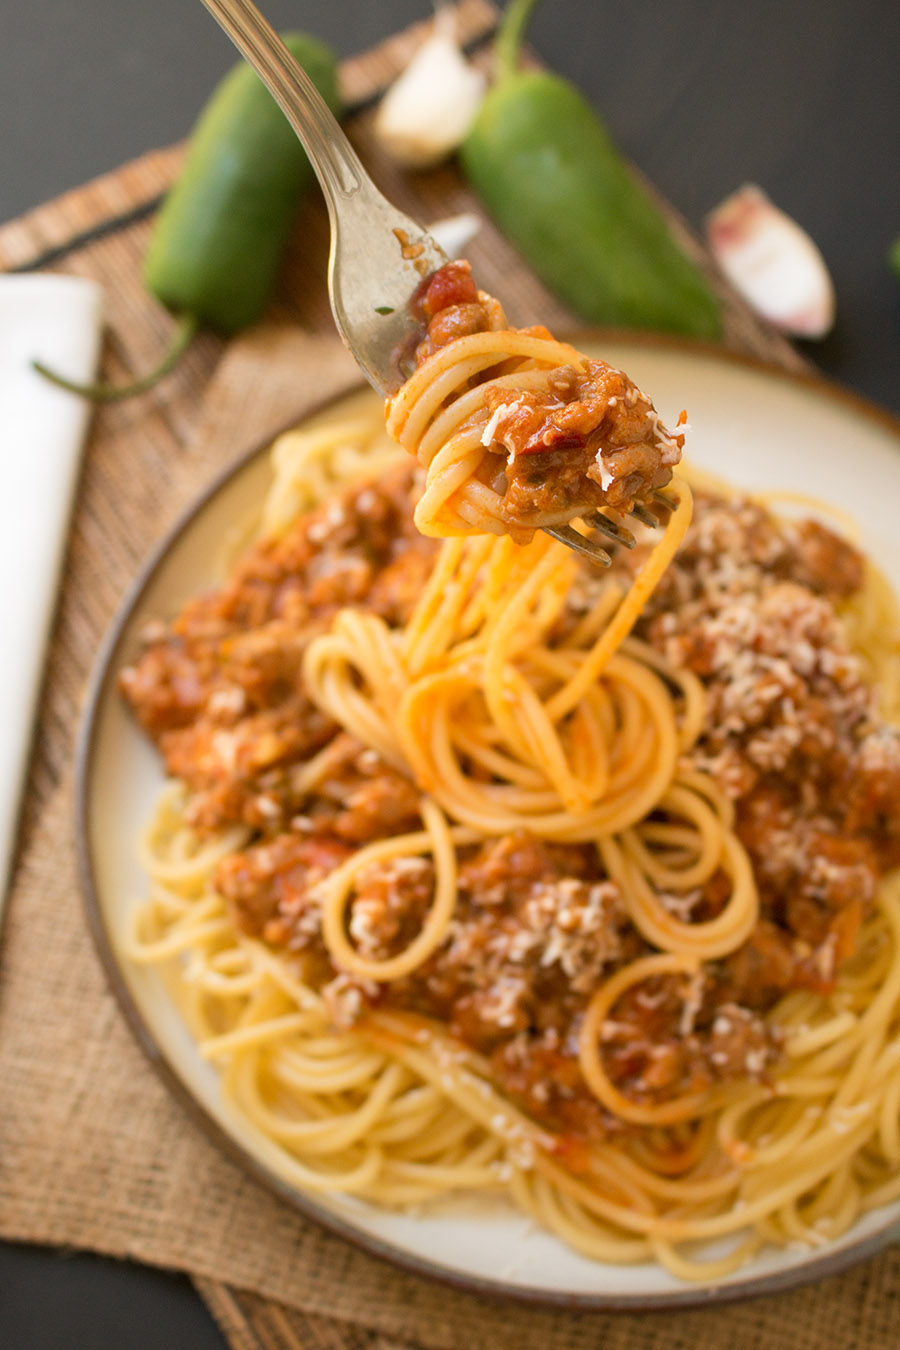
[331, 155]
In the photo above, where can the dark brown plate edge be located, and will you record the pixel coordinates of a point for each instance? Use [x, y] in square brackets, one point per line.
[102, 676]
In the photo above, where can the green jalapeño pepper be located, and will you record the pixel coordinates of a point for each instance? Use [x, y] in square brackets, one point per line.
[221, 232]
[550, 176]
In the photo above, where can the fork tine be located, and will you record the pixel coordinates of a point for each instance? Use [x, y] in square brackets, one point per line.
[662, 499]
[577, 542]
[644, 515]
[616, 532]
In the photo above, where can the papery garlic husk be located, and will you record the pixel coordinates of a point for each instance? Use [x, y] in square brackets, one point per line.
[772, 262]
[428, 110]
[452, 233]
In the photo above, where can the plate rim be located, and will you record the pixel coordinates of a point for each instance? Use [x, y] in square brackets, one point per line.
[820, 1264]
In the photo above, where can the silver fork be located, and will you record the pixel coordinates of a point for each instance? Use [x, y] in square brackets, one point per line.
[378, 255]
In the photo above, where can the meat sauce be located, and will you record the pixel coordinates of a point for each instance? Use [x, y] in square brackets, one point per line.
[219, 689]
[792, 736]
[591, 439]
[792, 733]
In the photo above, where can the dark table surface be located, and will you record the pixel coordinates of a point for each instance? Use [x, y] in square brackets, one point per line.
[800, 96]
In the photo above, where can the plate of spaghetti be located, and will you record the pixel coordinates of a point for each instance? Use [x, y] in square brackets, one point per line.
[535, 924]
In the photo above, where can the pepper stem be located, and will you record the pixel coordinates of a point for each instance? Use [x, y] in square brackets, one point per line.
[185, 329]
[508, 42]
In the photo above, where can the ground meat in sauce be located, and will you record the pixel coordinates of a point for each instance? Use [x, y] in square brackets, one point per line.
[449, 305]
[220, 689]
[815, 778]
[591, 439]
[791, 735]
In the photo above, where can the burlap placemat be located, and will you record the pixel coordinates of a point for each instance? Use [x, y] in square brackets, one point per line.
[93, 1151]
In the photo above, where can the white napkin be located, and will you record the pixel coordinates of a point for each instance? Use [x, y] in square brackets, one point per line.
[58, 320]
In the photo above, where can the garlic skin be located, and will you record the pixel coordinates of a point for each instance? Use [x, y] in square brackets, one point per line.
[772, 262]
[428, 110]
[452, 233]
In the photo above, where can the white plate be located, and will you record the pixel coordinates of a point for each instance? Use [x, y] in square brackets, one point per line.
[755, 427]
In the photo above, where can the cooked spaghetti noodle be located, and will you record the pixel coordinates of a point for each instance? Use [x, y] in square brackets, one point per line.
[515, 430]
[517, 729]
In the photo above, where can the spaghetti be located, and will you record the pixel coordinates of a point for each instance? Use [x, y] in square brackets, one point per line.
[515, 430]
[483, 920]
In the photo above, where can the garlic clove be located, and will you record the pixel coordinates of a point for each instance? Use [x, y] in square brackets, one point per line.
[772, 262]
[452, 233]
[428, 110]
